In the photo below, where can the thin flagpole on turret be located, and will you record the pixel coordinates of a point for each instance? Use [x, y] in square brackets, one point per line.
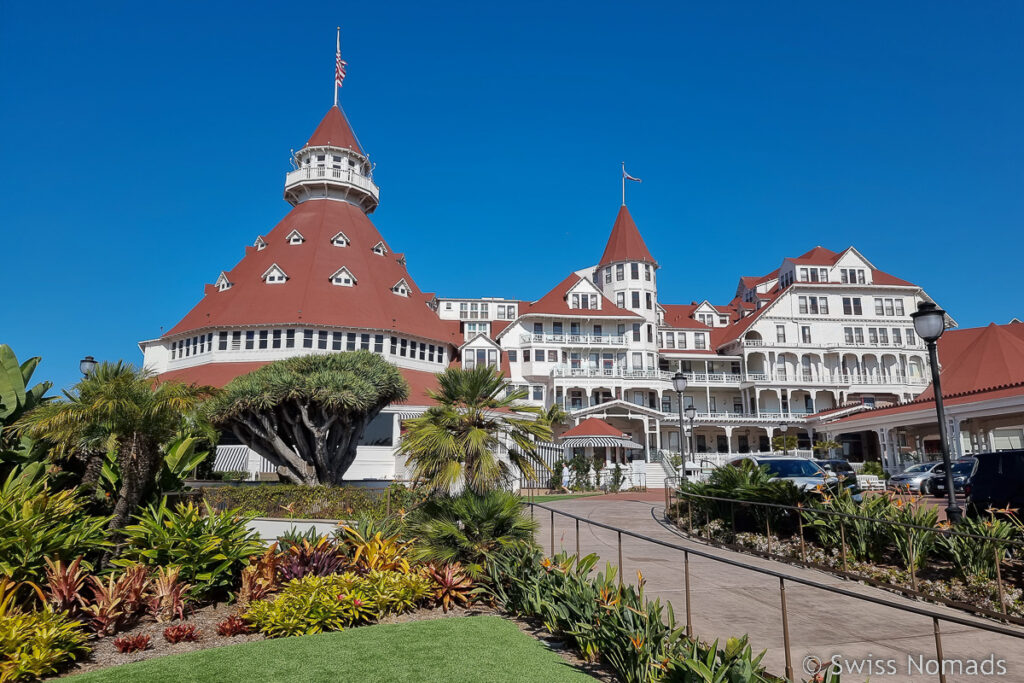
[339, 67]
[625, 177]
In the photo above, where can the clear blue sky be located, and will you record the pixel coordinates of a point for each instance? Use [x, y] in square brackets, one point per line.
[145, 144]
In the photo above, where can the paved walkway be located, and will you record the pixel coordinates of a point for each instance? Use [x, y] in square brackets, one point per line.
[730, 601]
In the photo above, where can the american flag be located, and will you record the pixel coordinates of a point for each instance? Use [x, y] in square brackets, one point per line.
[339, 68]
[629, 177]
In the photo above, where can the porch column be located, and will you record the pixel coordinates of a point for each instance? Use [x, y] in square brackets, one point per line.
[647, 439]
[771, 436]
[728, 440]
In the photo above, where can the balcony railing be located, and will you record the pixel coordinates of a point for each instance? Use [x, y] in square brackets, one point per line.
[827, 346]
[728, 378]
[574, 339]
[337, 175]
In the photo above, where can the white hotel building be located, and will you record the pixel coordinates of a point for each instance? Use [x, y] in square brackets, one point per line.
[823, 331]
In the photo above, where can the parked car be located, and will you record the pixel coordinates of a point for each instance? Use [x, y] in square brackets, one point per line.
[997, 482]
[841, 469]
[805, 474]
[916, 478]
[962, 471]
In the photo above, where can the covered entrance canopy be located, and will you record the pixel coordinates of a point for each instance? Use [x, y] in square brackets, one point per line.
[594, 432]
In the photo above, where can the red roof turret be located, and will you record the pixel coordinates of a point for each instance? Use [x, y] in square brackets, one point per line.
[335, 131]
[625, 242]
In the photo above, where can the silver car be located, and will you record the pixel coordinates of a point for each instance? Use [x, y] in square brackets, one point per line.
[916, 478]
[804, 473]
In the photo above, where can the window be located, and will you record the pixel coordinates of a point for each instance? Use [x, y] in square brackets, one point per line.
[635, 299]
[552, 356]
[307, 339]
[295, 237]
[851, 306]
[263, 339]
[636, 332]
[634, 271]
[780, 333]
[364, 343]
[608, 275]
[598, 331]
[650, 334]
[873, 335]
[823, 305]
[883, 336]
[260, 244]
[698, 340]
[848, 335]
[681, 339]
[647, 272]
[394, 346]
[803, 275]
[638, 361]
[899, 307]
[650, 304]
[222, 283]
[513, 356]
[378, 343]
[222, 344]
[340, 240]
[879, 307]
[666, 403]
[403, 347]
[620, 299]
[805, 334]
[858, 335]
[620, 272]
[380, 249]
[274, 275]
[910, 336]
[670, 340]
[321, 340]
[236, 340]
[343, 278]
[889, 307]
[336, 341]
[802, 305]
[401, 288]
[250, 337]
[538, 392]
[350, 340]
[574, 329]
[289, 339]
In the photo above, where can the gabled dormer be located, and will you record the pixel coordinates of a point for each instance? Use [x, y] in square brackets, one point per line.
[583, 296]
[260, 243]
[401, 288]
[343, 277]
[707, 314]
[274, 275]
[295, 237]
[223, 284]
[380, 249]
[341, 240]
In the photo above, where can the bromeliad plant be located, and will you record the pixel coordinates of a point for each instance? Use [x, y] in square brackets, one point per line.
[306, 559]
[34, 645]
[209, 547]
[169, 595]
[451, 586]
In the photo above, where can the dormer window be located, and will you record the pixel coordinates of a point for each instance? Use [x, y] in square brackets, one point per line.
[380, 249]
[343, 278]
[222, 283]
[340, 240]
[260, 244]
[401, 288]
[274, 275]
[295, 237]
[585, 301]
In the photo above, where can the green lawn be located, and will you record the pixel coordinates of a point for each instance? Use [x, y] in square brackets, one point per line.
[484, 649]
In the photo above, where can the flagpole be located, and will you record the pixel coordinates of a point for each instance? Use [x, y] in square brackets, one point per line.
[336, 58]
[623, 183]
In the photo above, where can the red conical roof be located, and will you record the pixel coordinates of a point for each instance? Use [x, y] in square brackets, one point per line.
[625, 242]
[335, 131]
[593, 426]
[308, 297]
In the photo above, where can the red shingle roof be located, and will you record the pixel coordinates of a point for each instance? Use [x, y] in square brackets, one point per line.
[819, 256]
[554, 302]
[593, 426]
[334, 131]
[308, 297]
[625, 242]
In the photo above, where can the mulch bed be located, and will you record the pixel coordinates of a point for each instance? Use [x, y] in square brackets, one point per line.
[206, 619]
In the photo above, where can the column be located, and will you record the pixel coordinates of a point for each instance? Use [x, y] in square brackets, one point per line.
[958, 439]
[728, 440]
[771, 437]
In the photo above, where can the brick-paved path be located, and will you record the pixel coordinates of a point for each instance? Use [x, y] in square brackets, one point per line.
[729, 601]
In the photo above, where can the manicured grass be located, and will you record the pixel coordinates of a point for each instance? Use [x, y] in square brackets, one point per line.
[563, 496]
[484, 649]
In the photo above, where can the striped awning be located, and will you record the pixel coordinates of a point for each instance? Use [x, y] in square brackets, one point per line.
[231, 459]
[605, 441]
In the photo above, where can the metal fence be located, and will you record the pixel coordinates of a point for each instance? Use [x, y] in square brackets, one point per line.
[673, 496]
[936, 617]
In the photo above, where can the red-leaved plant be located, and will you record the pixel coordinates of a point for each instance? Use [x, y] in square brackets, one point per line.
[181, 633]
[168, 595]
[133, 585]
[451, 586]
[64, 584]
[128, 644]
[107, 607]
[232, 626]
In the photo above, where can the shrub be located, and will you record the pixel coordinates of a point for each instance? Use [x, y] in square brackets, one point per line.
[330, 603]
[310, 502]
[210, 548]
[64, 584]
[377, 552]
[107, 608]
[38, 523]
[182, 633]
[866, 539]
[232, 626]
[169, 595]
[126, 644]
[976, 557]
[34, 645]
[469, 528]
[451, 586]
[320, 559]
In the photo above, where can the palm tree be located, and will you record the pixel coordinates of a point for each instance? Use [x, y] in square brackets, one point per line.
[121, 409]
[555, 415]
[458, 440]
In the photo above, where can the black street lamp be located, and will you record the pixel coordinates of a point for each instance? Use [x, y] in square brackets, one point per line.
[691, 413]
[87, 365]
[679, 384]
[930, 323]
[785, 446]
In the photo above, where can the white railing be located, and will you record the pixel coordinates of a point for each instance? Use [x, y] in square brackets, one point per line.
[758, 343]
[832, 378]
[583, 339]
[336, 175]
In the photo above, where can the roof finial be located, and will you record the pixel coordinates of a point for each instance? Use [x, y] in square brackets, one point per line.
[339, 68]
[625, 177]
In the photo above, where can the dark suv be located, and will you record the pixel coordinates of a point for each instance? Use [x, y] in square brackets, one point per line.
[962, 471]
[998, 482]
[841, 468]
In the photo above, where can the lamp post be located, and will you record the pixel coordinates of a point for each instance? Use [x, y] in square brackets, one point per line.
[785, 447]
[87, 365]
[679, 384]
[930, 323]
[691, 413]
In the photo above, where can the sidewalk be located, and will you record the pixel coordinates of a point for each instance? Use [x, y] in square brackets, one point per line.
[730, 601]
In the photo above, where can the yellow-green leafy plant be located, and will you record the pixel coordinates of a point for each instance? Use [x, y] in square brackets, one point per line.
[34, 645]
[377, 552]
